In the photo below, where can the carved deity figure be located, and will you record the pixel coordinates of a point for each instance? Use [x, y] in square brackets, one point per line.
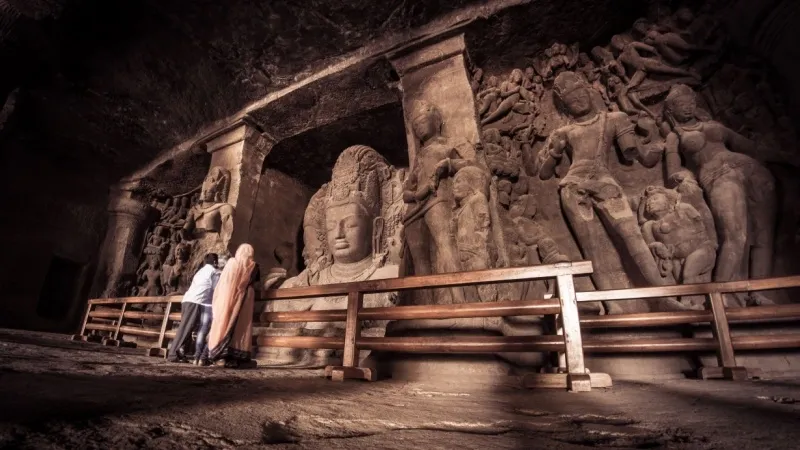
[353, 215]
[213, 214]
[740, 191]
[589, 193]
[473, 224]
[151, 277]
[429, 194]
[512, 94]
[676, 234]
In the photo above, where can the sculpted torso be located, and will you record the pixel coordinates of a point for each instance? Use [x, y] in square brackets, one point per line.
[683, 232]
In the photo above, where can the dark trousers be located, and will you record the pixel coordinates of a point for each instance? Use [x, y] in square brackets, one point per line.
[190, 315]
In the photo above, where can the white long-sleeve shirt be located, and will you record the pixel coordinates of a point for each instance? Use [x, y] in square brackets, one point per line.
[203, 283]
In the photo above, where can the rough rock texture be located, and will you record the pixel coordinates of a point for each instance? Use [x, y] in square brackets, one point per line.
[58, 394]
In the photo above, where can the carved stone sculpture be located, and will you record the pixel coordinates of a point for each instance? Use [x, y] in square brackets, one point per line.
[473, 224]
[429, 195]
[589, 194]
[677, 235]
[353, 219]
[740, 191]
[151, 277]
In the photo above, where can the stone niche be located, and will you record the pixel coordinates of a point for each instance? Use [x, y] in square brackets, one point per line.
[338, 184]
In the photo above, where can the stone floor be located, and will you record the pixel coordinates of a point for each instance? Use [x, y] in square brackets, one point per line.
[58, 394]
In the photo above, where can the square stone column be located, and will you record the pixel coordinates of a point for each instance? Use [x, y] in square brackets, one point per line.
[437, 73]
[240, 149]
[128, 219]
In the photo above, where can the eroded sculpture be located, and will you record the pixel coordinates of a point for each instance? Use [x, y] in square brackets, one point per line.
[351, 228]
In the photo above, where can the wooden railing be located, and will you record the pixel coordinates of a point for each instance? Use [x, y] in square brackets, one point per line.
[566, 305]
[115, 312]
[569, 343]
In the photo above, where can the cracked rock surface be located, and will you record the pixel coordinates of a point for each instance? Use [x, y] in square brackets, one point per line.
[58, 394]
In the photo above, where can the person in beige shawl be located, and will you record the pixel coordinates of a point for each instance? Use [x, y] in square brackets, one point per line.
[231, 336]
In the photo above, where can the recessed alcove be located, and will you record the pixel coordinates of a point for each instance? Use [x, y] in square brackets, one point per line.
[296, 167]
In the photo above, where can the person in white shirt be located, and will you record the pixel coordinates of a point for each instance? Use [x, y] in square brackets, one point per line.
[201, 352]
[200, 293]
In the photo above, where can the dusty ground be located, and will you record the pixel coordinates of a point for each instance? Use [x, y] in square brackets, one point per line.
[59, 394]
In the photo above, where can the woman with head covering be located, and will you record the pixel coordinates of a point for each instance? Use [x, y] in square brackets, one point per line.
[231, 333]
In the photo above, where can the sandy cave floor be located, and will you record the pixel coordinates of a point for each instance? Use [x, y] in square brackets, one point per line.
[60, 394]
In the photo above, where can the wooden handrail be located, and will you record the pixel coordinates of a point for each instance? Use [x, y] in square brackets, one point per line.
[442, 280]
[764, 284]
[569, 341]
[416, 312]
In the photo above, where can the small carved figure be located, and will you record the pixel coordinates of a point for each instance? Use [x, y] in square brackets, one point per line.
[557, 57]
[179, 218]
[489, 97]
[473, 224]
[589, 188]
[738, 188]
[512, 93]
[429, 193]
[151, 277]
[628, 55]
[169, 210]
[676, 234]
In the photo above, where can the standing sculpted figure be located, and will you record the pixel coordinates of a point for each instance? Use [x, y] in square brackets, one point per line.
[589, 194]
[429, 193]
[738, 188]
[213, 214]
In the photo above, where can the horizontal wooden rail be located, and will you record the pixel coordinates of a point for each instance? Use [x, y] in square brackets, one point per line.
[750, 314]
[149, 332]
[432, 344]
[417, 312]
[690, 289]
[443, 280]
[552, 343]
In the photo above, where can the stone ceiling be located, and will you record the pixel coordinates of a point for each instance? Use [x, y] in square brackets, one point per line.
[110, 84]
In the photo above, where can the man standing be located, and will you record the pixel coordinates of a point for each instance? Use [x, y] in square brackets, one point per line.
[200, 293]
[201, 349]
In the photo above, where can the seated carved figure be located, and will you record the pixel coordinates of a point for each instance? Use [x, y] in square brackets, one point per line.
[355, 215]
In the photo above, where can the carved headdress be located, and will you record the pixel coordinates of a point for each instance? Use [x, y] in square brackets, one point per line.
[357, 178]
[567, 82]
[220, 182]
[676, 92]
[360, 176]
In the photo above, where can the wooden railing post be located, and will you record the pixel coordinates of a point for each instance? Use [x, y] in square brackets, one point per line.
[352, 329]
[159, 349]
[577, 378]
[119, 320]
[349, 367]
[82, 335]
[726, 358]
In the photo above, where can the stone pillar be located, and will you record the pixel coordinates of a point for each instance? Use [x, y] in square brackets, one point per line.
[437, 73]
[128, 219]
[241, 149]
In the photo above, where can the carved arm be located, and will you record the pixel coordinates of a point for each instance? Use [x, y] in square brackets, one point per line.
[551, 154]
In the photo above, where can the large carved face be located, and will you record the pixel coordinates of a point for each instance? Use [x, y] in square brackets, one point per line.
[349, 233]
[578, 101]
